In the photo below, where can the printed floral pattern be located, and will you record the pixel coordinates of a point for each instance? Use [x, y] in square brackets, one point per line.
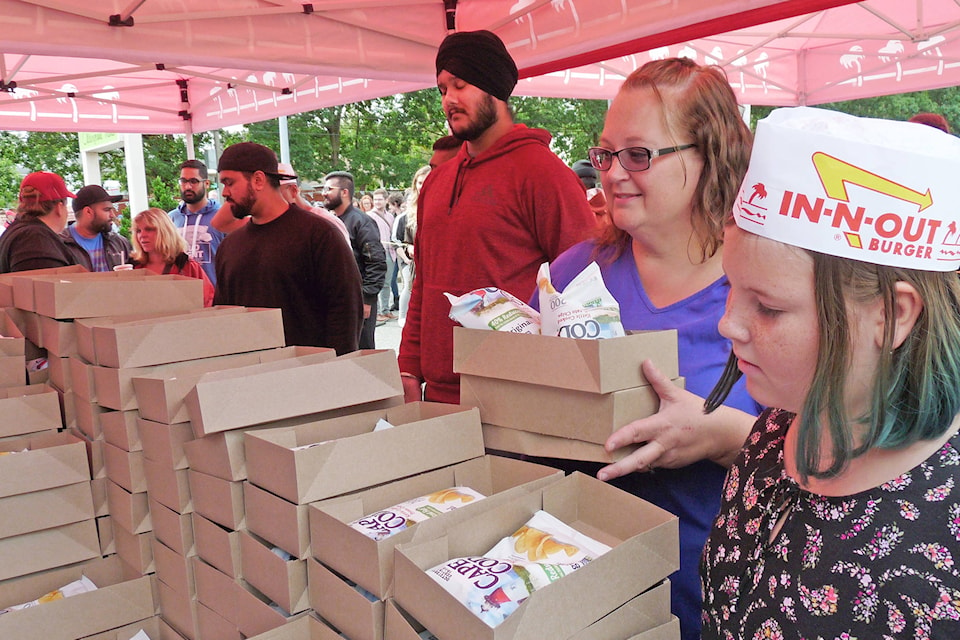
[878, 565]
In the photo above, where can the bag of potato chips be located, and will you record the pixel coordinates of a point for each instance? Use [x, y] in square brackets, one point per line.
[387, 522]
[83, 585]
[539, 553]
[585, 309]
[493, 308]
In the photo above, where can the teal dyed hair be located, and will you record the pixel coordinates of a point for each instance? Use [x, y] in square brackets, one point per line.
[916, 390]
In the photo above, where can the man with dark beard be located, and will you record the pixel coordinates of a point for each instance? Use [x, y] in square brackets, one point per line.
[193, 218]
[490, 216]
[368, 252]
[91, 238]
[285, 256]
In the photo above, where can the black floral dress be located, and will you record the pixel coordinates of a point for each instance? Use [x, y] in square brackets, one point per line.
[874, 565]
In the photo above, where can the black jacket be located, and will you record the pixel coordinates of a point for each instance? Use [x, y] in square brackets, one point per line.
[116, 249]
[367, 250]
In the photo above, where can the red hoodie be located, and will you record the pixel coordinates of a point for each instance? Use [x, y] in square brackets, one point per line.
[489, 221]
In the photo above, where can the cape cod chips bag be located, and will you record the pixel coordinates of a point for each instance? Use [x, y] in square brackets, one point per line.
[585, 309]
[542, 551]
[387, 522]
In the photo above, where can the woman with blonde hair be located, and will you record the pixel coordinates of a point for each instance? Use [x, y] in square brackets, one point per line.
[33, 241]
[159, 248]
[406, 233]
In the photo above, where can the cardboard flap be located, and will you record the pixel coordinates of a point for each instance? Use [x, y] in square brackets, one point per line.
[86, 295]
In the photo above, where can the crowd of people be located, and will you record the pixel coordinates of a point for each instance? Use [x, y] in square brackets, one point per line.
[810, 456]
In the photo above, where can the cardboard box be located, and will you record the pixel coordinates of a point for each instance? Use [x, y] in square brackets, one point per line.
[398, 624]
[98, 487]
[29, 409]
[541, 445]
[594, 366]
[170, 487]
[44, 509]
[28, 323]
[217, 546]
[58, 372]
[129, 510]
[179, 610]
[282, 581]
[175, 530]
[255, 615]
[7, 298]
[222, 454]
[125, 468]
[368, 562]
[667, 631]
[13, 372]
[217, 499]
[645, 549]
[277, 521]
[646, 612]
[81, 378]
[165, 339]
[54, 547]
[90, 295]
[12, 342]
[105, 531]
[88, 417]
[211, 625]
[115, 603]
[59, 336]
[42, 462]
[134, 550]
[355, 615]
[95, 463]
[347, 455]
[173, 569]
[163, 443]
[120, 430]
[257, 394]
[160, 395]
[580, 415]
[216, 590]
[301, 628]
[154, 627]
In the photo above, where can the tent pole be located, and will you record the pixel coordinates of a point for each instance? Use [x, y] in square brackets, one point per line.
[284, 140]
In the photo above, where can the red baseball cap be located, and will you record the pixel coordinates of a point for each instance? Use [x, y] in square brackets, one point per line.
[44, 185]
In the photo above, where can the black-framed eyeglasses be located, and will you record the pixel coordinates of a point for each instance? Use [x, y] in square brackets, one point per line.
[193, 182]
[631, 158]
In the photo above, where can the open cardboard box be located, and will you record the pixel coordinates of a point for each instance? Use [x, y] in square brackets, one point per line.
[173, 569]
[163, 443]
[211, 624]
[125, 468]
[174, 530]
[579, 415]
[12, 341]
[81, 378]
[128, 510]
[282, 581]
[353, 613]
[44, 509]
[105, 530]
[84, 327]
[160, 395]
[165, 339]
[222, 454]
[120, 429]
[300, 628]
[59, 336]
[88, 295]
[398, 624]
[168, 486]
[54, 547]
[88, 417]
[541, 445]
[217, 499]
[115, 603]
[369, 562]
[154, 627]
[594, 366]
[645, 550]
[179, 610]
[7, 298]
[276, 520]
[13, 372]
[28, 409]
[245, 396]
[217, 546]
[134, 550]
[42, 462]
[331, 457]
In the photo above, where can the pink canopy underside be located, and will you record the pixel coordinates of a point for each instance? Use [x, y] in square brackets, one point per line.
[195, 65]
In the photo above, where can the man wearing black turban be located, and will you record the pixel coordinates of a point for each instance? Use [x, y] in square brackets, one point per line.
[490, 216]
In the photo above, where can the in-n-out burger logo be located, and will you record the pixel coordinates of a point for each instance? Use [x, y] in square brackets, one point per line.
[887, 232]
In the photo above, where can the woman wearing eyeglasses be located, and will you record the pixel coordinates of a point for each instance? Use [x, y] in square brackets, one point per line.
[671, 158]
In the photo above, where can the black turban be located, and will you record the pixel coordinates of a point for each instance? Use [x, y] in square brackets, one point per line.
[480, 58]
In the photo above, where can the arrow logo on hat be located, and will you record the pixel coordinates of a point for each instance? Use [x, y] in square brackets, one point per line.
[835, 174]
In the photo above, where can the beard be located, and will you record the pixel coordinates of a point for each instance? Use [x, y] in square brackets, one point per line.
[331, 203]
[486, 117]
[191, 197]
[243, 207]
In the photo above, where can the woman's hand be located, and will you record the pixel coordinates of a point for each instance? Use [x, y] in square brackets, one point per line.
[679, 433]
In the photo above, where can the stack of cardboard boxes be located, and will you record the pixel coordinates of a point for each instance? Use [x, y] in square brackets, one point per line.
[222, 472]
